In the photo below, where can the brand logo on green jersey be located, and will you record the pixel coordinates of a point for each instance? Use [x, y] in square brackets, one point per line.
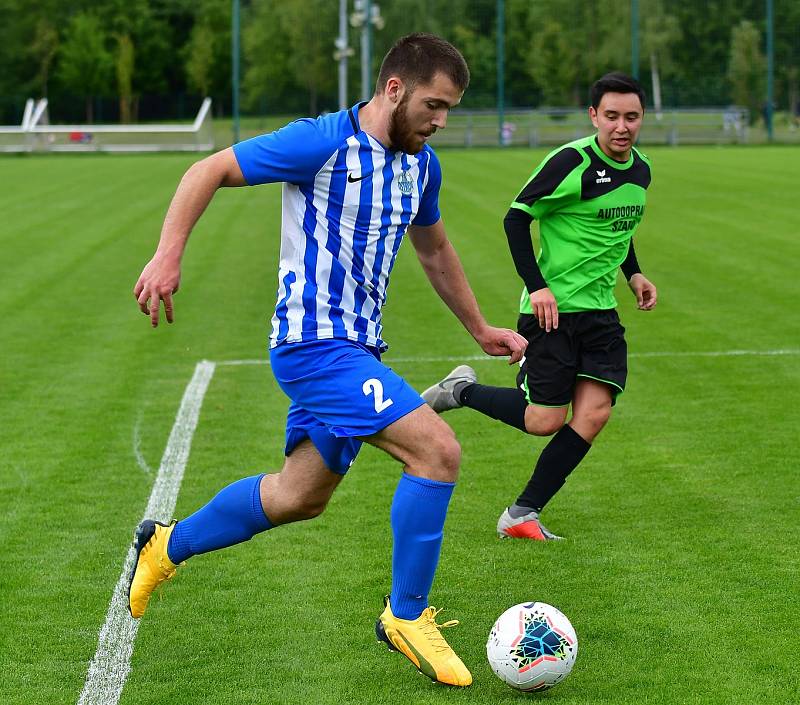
[602, 178]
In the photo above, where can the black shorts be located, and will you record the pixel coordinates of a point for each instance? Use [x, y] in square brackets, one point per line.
[588, 344]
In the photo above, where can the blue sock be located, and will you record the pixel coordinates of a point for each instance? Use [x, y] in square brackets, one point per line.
[233, 516]
[418, 513]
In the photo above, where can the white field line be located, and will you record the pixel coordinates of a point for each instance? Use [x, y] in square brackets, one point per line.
[137, 447]
[487, 358]
[716, 353]
[112, 661]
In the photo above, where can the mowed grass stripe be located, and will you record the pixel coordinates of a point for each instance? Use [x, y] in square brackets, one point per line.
[55, 195]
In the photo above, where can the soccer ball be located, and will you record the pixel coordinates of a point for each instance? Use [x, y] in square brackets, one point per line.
[532, 646]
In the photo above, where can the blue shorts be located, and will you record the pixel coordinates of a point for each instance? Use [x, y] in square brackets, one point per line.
[340, 391]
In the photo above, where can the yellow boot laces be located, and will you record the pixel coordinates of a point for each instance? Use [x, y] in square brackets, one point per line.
[433, 630]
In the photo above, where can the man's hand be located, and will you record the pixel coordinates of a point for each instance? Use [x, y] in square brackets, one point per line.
[644, 291]
[502, 341]
[545, 308]
[158, 281]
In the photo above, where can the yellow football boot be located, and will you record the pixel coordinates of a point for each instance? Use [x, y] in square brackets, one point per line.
[421, 641]
[152, 565]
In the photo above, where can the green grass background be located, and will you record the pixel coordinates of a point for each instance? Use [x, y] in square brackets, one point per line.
[680, 574]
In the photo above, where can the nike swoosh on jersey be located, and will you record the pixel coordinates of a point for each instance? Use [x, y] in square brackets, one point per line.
[358, 178]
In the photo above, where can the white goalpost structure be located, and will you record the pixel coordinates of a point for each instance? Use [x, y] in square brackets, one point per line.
[36, 134]
[16, 138]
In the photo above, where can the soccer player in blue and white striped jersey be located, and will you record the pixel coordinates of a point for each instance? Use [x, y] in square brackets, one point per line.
[355, 183]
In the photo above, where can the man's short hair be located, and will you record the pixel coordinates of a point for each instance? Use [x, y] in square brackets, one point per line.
[417, 58]
[614, 82]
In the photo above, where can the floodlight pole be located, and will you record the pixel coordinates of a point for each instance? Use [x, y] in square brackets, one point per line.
[342, 52]
[635, 38]
[366, 50]
[235, 68]
[501, 60]
[770, 68]
[366, 15]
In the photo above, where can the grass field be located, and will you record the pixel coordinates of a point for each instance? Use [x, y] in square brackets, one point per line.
[680, 572]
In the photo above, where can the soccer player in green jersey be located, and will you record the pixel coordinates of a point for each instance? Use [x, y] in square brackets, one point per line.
[589, 198]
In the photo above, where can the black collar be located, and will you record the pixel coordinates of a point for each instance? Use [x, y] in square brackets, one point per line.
[352, 115]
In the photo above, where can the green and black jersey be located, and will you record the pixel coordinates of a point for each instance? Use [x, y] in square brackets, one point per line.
[588, 207]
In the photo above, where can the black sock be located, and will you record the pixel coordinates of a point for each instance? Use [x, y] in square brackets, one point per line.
[558, 459]
[502, 403]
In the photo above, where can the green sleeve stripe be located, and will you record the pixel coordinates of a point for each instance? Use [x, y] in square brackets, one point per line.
[523, 207]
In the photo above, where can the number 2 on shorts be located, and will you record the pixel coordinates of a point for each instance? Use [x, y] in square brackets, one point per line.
[374, 386]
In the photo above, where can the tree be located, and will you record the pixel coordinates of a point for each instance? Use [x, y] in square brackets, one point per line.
[125, 65]
[149, 36]
[267, 80]
[787, 57]
[207, 54]
[85, 62]
[480, 51]
[43, 49]
[199, 53]
[158, 28]
[601, 34]
[747, 68]
[29, 38]
[289, 48]
[569, 45]
[702, 53]
[661, 33]
[552, 63]
[310, 26]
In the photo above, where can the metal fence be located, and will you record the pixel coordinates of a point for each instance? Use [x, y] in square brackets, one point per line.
[549, 127]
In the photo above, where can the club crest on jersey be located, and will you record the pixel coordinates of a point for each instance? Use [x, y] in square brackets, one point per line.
[602, 178]
[405, 183]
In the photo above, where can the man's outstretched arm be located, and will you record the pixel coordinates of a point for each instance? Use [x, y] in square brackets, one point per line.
[161, 276]
[443, 268]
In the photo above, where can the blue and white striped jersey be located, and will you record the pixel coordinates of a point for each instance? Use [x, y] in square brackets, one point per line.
[347, 202]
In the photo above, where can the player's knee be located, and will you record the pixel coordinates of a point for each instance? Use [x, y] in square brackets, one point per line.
[590, 422]
[307, 507]
[448, 458]
[451, 458]
[544, 427]
[442, 457]
[284, 502]
[539, 422]
[598, 422]
[311, 508]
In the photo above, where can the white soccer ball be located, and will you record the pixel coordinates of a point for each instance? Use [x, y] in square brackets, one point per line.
[532, 646]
